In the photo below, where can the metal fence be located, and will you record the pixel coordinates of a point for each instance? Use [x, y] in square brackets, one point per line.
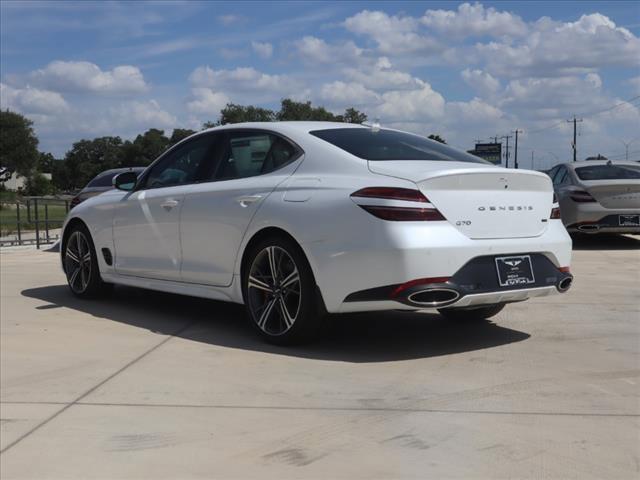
[32, 220]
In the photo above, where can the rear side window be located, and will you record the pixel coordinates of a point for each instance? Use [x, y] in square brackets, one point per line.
[375, 145]
[609, 172]
[254, 153]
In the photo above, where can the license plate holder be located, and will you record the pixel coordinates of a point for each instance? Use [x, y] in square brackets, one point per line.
[514, 270]
[629, 220]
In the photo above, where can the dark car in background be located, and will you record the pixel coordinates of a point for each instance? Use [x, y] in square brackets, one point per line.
[101, 183]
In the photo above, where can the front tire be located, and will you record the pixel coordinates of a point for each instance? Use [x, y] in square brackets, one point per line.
[279, 292]
[469, 314]
[81, 264]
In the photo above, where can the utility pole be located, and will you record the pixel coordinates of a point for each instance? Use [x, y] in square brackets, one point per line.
[495, 139]
[515, 157]
[575, 134]
[532, 166]
[506, 156]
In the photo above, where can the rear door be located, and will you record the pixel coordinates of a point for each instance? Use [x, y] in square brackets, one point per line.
[217, 212]
[146, 222]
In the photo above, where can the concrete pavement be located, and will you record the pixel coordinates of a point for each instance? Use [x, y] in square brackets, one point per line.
[150, 385]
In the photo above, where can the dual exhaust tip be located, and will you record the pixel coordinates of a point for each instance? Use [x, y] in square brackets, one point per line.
[439, 297]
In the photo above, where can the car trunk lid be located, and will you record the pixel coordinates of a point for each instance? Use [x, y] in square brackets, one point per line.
[615, 193]
[481, 201]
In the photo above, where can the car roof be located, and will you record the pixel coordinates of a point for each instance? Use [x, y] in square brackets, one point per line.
[585, 163]
[291, 126]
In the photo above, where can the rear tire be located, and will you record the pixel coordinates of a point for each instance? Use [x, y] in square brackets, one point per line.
[469, 314]
[279, 292]
[81, 264]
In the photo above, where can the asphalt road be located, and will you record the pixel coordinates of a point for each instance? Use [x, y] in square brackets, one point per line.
[149, 385]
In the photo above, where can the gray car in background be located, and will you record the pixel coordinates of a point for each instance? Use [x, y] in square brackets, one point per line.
[598, 196]
[101, 183]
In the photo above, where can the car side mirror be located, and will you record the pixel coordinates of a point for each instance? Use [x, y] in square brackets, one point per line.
[125, 181]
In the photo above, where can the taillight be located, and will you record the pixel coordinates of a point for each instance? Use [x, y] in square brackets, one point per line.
[395, 212]
[581, 196]
[74, 201]
[391, 193]
[555, 213]
[565, 269]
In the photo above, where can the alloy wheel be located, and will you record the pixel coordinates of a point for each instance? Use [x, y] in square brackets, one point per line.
[78, 262]
[274, 290]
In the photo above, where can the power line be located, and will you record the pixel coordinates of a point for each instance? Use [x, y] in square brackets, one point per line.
[589, 114]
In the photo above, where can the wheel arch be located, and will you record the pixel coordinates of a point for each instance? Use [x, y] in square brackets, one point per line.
[71, 223]
[276, 231]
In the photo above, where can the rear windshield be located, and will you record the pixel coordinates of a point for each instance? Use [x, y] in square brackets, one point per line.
[609, 172]
[370, 144]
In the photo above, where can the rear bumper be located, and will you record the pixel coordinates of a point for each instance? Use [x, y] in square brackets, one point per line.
[599, 223]
[476, 283]
[392, 253]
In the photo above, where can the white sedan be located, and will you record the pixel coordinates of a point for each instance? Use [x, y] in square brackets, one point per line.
[299, 219]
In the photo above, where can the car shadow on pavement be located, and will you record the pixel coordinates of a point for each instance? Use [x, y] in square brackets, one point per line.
[360, 338]
[604, 241]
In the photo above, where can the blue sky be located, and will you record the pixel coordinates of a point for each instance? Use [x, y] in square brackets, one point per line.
[463, 70]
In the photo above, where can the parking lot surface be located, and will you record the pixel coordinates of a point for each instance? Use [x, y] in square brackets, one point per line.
[150, 385]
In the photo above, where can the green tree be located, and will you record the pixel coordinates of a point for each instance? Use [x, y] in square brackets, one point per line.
[37, 184]
[45, 163]
[437, 138]
[150, 145]
[18, 143]
[351, 115]
[87, 158]
[233, 113]
[179, 134]
[292, 110]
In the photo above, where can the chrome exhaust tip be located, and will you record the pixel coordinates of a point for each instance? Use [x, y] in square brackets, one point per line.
[434, 297]
[565, 284]
[589, 228]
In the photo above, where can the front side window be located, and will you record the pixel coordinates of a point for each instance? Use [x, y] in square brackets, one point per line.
[609, 172]
[248, 154]
[370, 144]
[184, 165]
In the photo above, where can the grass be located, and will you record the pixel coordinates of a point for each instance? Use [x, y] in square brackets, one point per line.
[8, 217]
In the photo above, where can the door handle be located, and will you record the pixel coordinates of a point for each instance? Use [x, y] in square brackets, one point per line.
[248, 200]
[169, 204]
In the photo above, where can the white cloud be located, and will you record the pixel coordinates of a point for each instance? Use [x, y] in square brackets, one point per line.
[207, 102]
[316, 50]
[422, 104]
[382, 76]
[480, 81]
[88, 77]
[393, 34]
[264, 50]
[474, 20]
[476, 111]
[635, 84]
[559, 49]
[230, 19]
[30, 100]
[142, 113]
[347, 94]
[242, 79]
